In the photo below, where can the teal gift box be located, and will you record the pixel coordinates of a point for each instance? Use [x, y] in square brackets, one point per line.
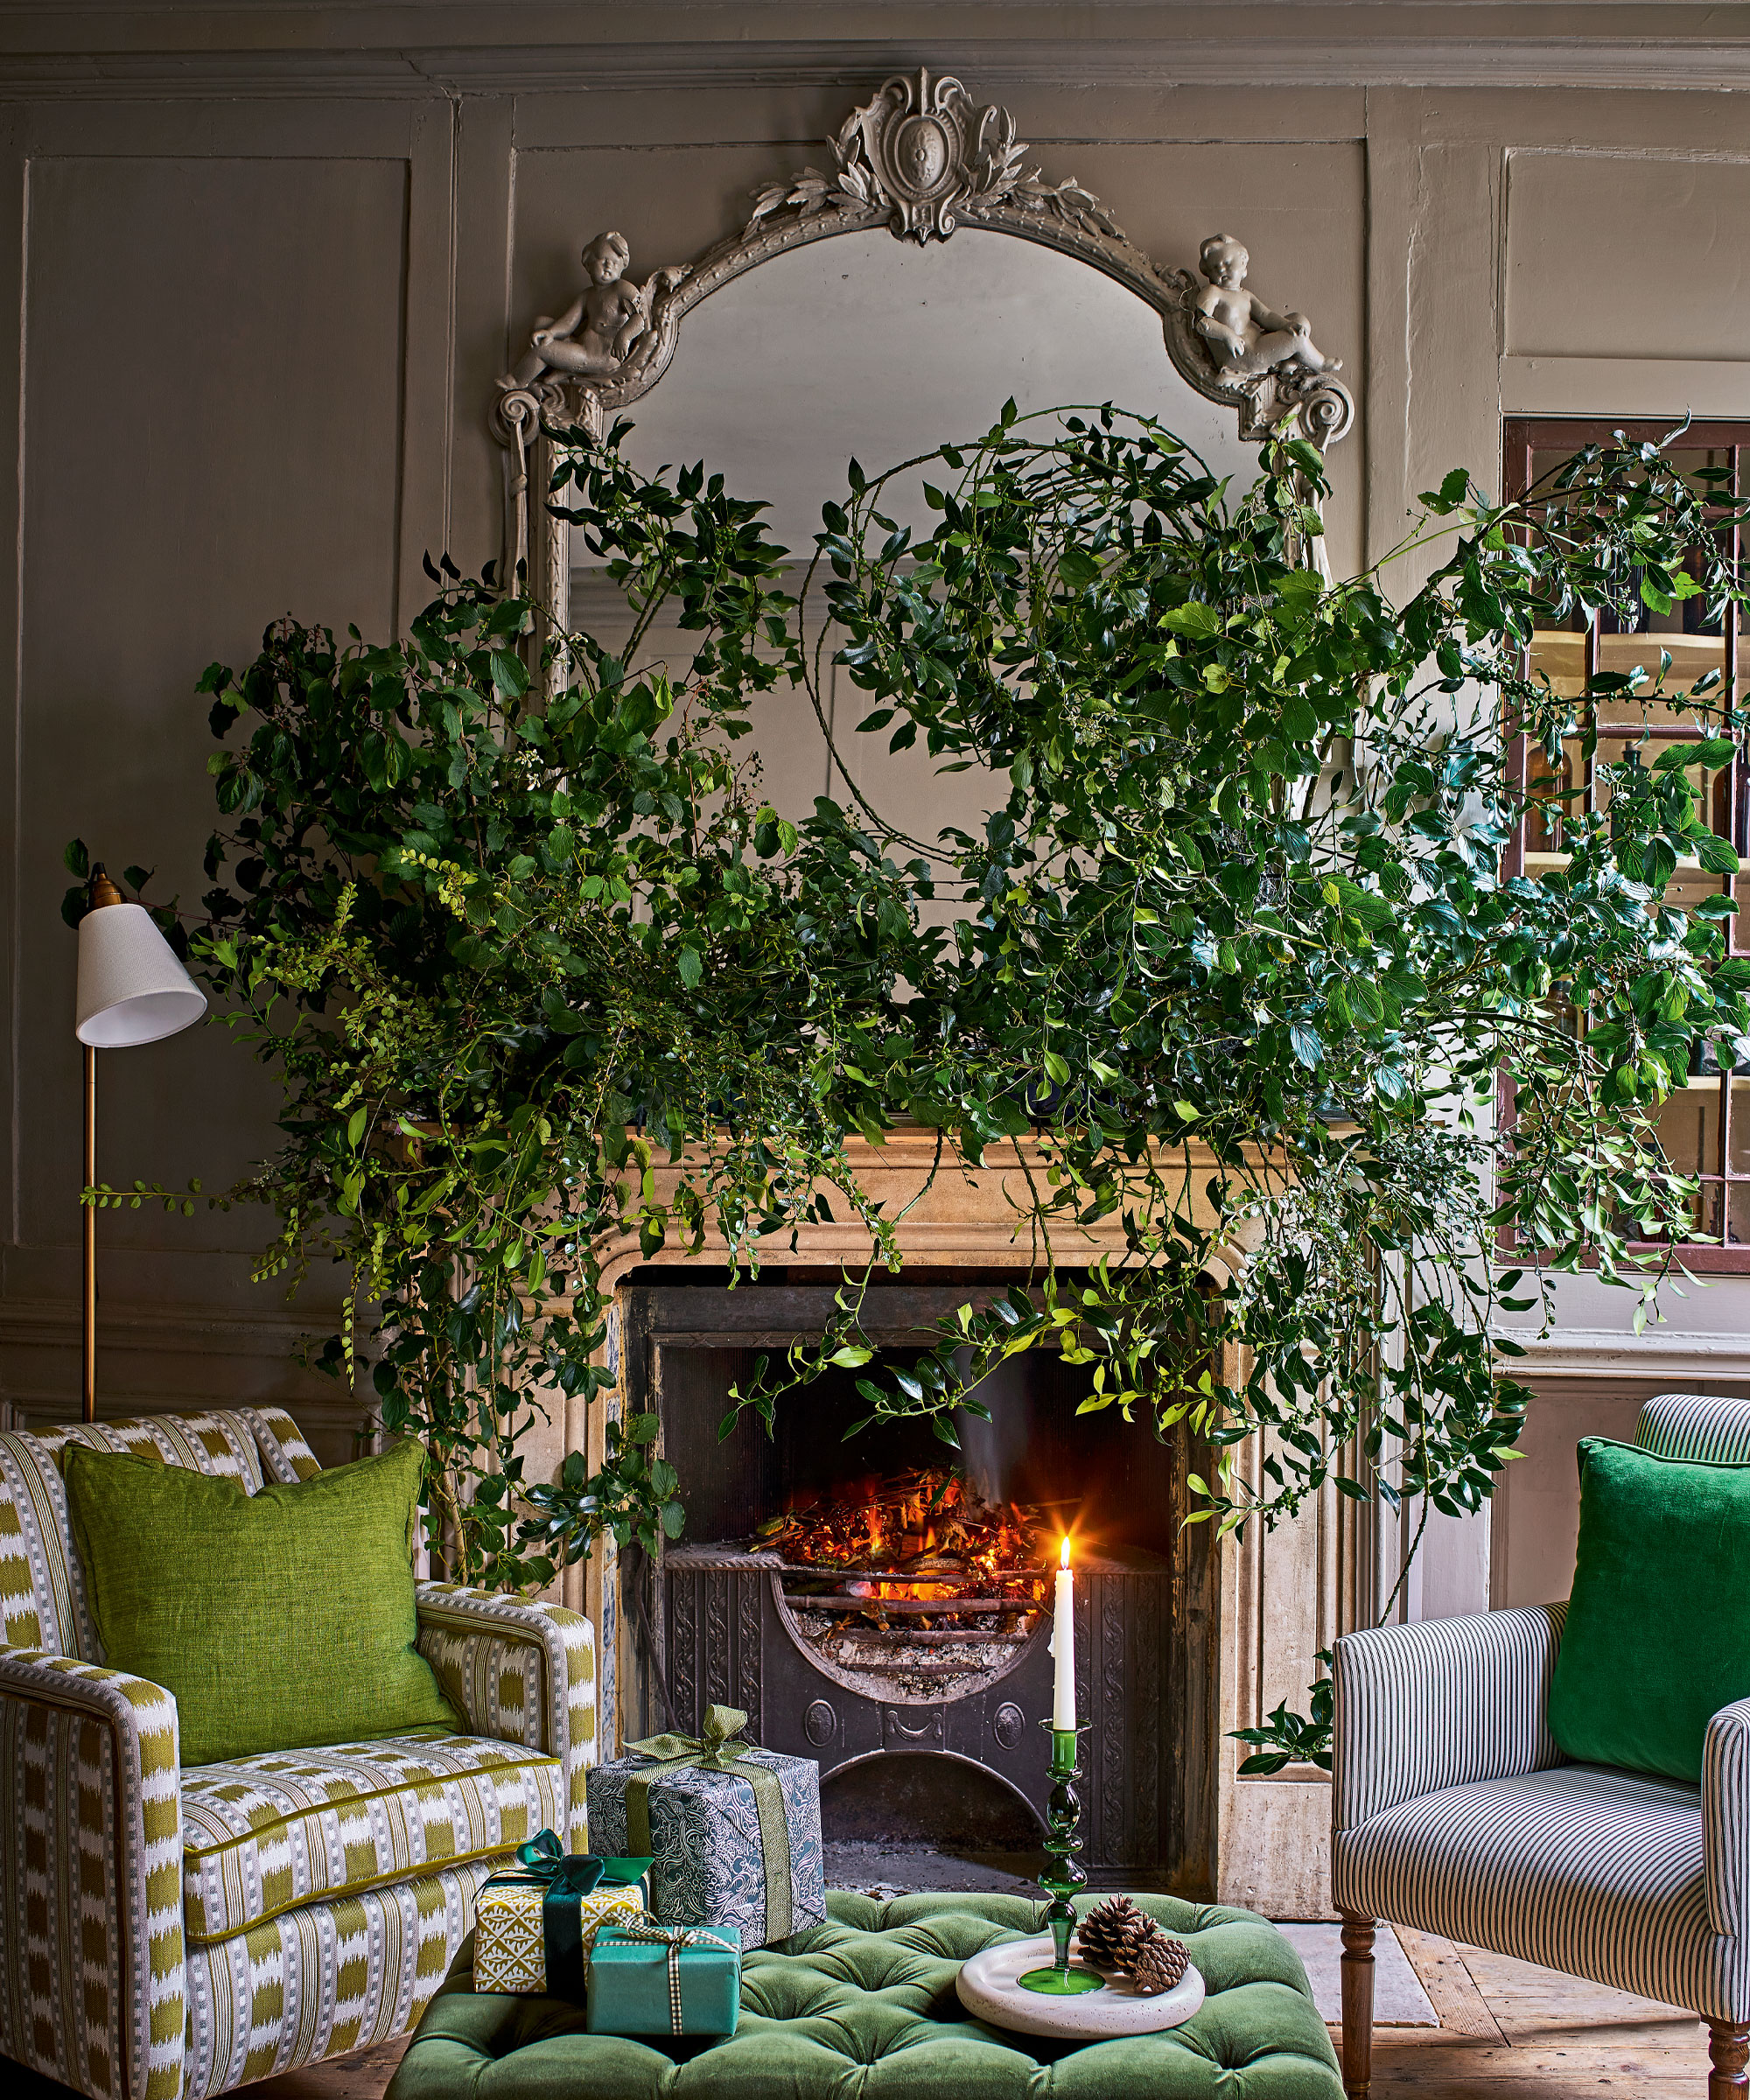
[665, 1979]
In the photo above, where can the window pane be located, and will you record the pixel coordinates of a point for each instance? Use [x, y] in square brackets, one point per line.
[1674, 651]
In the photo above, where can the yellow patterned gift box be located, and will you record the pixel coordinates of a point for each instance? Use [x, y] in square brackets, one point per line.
[534, 1923]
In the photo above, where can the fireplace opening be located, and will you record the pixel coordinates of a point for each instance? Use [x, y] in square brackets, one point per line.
[882, 1601]
[920, 1799]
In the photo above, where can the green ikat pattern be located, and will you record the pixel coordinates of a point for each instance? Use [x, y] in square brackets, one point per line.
[265, 1834]
[169, 1934]
[322, 1979]
[523, 1672]
[91, 1916]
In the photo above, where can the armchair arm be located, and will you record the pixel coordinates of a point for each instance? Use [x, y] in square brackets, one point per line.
[525, 1673]
[1438, 1704]
[90, 1876]
[1726, 1819]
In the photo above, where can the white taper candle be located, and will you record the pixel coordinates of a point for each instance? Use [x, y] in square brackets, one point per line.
[1063, 1645]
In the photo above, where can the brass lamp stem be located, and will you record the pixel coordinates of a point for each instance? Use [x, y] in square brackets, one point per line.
[100, 892]
[90, 1211]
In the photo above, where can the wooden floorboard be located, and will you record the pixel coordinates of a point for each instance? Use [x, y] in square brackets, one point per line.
[1510, 2031]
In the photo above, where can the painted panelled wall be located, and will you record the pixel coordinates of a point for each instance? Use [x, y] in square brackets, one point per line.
[257, 331]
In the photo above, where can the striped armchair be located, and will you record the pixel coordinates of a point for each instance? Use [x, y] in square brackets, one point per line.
[1454, 1812]
[169, 1932]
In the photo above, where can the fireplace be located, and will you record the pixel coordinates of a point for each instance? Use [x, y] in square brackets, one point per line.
[882, 1605]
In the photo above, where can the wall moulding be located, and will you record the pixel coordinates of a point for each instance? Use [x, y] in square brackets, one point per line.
[1232, 53]
[1625, 386]
[1606, 1353]
[153, 1359]
[924, 159]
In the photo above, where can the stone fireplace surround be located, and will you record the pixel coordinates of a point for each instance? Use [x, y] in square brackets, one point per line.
[1259, 1613]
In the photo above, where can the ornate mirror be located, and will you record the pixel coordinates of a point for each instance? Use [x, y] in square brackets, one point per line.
[866, 311]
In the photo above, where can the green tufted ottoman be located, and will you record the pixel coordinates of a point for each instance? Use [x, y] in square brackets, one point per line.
[864, 2008]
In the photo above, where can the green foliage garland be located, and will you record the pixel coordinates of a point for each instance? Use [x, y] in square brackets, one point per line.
[1233, 929]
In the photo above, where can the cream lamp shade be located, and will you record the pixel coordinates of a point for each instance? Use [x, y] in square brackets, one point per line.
[131, 988]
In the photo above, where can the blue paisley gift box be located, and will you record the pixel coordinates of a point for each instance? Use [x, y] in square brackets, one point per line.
[664, 1979]
[735, 1831]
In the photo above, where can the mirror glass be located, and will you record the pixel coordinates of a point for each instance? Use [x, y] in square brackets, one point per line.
[868, 347]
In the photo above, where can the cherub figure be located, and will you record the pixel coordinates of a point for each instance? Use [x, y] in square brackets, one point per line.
[1246, 337]
[597, 332]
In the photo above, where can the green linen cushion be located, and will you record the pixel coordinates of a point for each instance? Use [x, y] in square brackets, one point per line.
[278, 1620]
[1657, 1637]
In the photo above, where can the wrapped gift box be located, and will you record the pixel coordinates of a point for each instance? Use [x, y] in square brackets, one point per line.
[533, 1925]
[675, 1979]
[723, 1854]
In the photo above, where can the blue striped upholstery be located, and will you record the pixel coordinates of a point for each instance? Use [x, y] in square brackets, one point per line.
[1696, 1425]
[1438, 1704]
[1454, 1812]
[1726, 1817]
[1595, 1872]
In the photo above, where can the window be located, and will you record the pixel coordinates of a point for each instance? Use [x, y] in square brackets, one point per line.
[1704, 1127]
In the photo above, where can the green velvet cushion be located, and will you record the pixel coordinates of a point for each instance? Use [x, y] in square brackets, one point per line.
[864, 2005]
[278, 1620]
[1657, 1637]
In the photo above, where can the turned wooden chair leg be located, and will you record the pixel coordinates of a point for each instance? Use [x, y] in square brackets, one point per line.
[1358, 2006]
[1728, 2050]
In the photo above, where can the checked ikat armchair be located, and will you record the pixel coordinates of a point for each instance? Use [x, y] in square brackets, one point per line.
[1455, 1812]
[167, 1933]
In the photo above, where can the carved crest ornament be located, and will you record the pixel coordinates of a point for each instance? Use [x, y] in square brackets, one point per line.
[921, 159]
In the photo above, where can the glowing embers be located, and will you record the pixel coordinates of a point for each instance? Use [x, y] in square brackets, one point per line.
[912, 1585]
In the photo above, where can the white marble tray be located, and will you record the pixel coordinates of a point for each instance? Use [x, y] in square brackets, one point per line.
[989, 1988]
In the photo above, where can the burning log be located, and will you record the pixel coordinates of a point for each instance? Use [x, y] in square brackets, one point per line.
[918, 1538]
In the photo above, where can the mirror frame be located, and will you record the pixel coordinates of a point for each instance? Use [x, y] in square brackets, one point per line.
[921, 159]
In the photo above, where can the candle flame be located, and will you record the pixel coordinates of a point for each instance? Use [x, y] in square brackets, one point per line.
[1063, 1555]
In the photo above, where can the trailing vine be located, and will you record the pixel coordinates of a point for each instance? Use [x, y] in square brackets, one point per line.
[1228, 960]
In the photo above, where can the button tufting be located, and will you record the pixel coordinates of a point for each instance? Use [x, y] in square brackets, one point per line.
[876, 1983]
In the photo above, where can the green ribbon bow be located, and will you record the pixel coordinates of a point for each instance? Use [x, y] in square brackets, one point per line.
[718, 1750]
[564, 1878]
[544, 1859]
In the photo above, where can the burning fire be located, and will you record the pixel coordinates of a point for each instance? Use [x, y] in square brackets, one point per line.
[917, 1538]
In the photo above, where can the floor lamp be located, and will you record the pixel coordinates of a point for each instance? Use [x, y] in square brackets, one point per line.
[131, 989]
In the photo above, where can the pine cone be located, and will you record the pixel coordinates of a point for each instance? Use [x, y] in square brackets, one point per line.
[1114, 1932]
[1158, 1965]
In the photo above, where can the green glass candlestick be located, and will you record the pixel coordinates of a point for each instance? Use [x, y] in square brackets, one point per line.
[1063, 1875]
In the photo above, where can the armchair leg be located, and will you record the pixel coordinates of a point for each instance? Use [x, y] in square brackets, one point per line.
[1728, 2050]
[1358, 2007]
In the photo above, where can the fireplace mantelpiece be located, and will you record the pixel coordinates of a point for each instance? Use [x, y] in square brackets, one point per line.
[1280, 1597]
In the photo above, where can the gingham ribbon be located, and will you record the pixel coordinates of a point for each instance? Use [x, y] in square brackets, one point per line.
[651, 1931]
